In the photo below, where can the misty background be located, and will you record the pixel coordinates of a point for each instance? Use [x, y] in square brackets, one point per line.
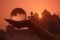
[6, 6]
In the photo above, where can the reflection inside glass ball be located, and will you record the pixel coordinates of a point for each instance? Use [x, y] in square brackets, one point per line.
[19, 17]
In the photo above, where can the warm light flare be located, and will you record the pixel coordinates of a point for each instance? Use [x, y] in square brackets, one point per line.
[40, 16]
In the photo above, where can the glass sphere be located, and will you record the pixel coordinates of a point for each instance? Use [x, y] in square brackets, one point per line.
[18, 14]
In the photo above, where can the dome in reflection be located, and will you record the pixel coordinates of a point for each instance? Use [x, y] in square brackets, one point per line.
[18, 14]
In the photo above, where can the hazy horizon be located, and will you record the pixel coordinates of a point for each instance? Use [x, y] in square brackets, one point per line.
[6, 6]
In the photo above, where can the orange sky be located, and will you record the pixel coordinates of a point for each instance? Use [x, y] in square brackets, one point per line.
[6, 6]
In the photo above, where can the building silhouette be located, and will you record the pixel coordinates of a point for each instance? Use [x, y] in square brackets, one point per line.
[49, 25]
[24, 34]
[2, 35]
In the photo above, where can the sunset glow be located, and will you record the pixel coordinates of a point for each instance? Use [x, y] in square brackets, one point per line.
[40, 16]
[6, 6]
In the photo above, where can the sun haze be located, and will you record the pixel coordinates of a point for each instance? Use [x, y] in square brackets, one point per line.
[6, 6]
